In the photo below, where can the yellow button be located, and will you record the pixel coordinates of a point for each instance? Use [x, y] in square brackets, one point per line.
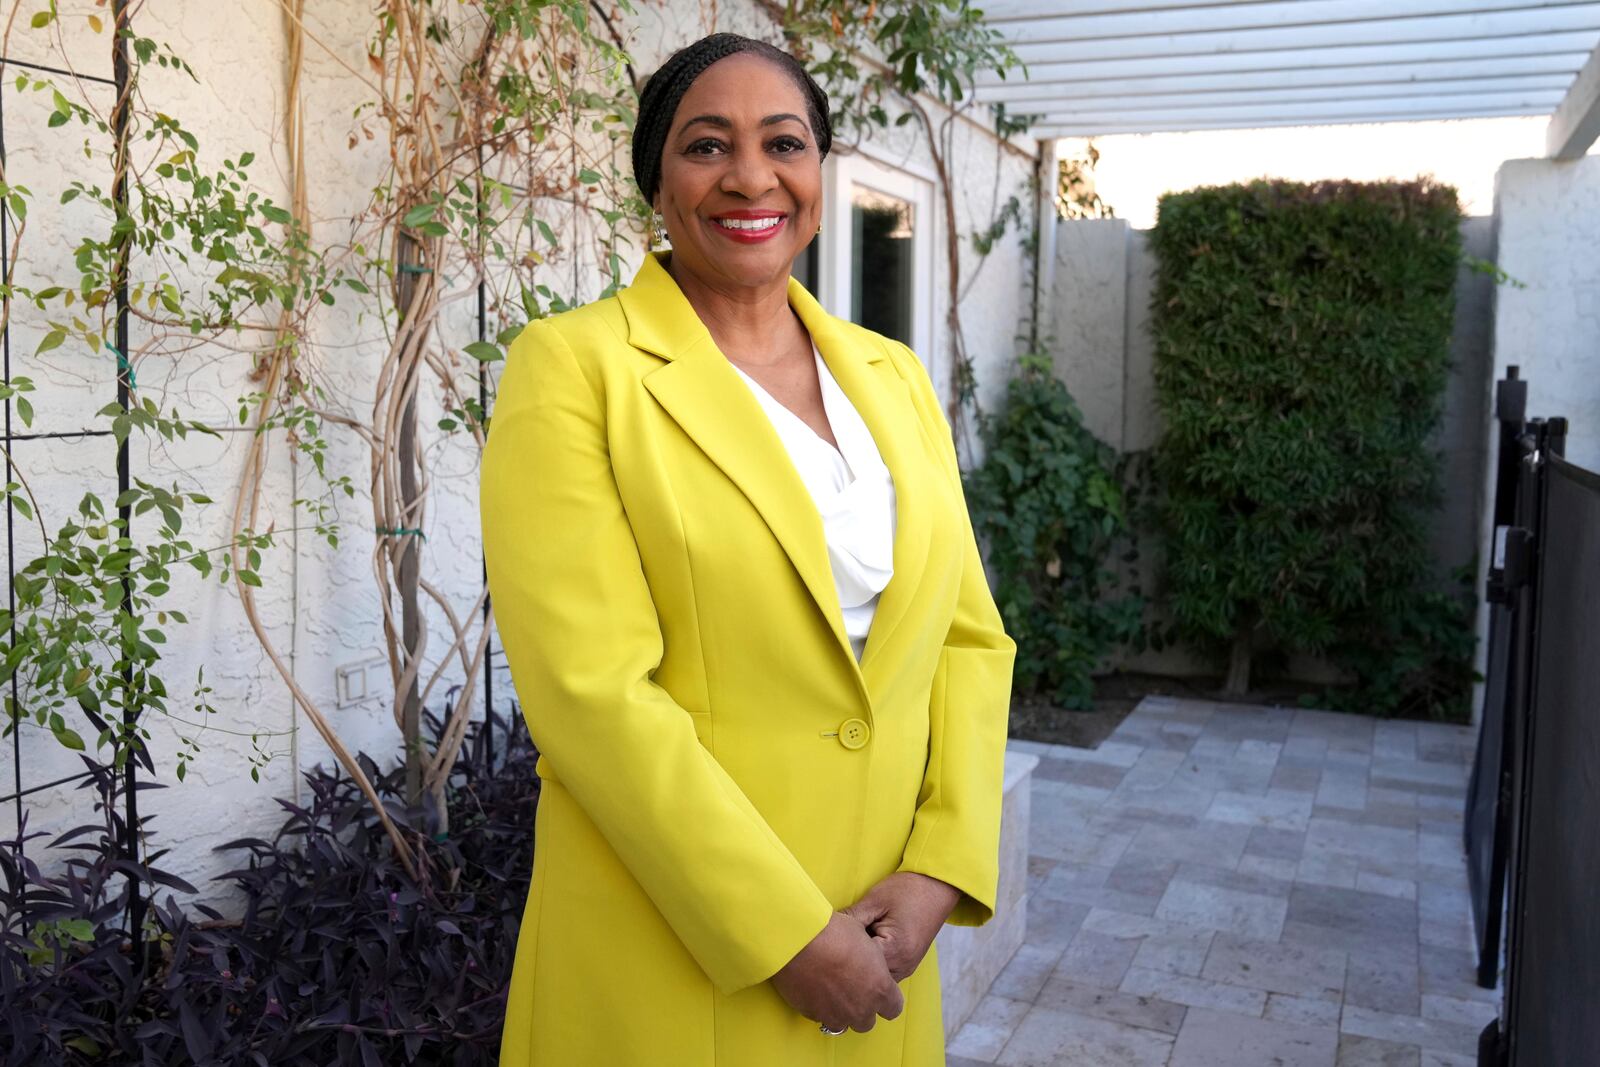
[853, 733]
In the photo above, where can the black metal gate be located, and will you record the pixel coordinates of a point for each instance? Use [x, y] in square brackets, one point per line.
[1548, 659]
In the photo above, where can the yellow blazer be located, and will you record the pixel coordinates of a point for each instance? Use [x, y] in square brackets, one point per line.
[719, 774]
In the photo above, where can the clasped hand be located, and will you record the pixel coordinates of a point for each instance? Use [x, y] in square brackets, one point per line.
[846, 975]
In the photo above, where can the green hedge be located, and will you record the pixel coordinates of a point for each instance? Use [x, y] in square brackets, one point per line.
[1302, 337]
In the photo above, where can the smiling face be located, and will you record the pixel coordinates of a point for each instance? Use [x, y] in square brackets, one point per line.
[741, 176]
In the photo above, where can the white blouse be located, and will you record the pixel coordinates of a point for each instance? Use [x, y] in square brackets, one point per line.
[853, 491]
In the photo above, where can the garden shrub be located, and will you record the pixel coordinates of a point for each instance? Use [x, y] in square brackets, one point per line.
[1302, 343]
[339, 957]
[1046, 504]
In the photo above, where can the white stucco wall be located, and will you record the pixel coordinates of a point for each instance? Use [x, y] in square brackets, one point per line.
[320, 604]
[1548, 233]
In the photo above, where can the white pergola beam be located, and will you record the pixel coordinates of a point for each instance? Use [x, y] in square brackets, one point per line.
[1551, 86]
[1562, 65]
[1190, 125]
[1246, 111]
[998, 11]
[1096, 67]
[1052, 23]
[1576, 122]
[1112, 66]
[1434, 31]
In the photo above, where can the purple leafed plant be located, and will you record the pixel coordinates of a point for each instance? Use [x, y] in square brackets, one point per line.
[337, 957]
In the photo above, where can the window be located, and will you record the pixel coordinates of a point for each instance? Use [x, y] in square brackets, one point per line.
[873, 261]
[882, 261]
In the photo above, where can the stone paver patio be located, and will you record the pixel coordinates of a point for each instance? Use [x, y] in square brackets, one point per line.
[1229, 886]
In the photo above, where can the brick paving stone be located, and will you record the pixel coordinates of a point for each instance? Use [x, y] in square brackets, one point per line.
[1194, 992]
[1063, 994]
[1277, 968]
[1065, 794]
[1104, 896]
[1064, 877]
[1224, 773]
[1337, 871]
[1411, 1030]
[1299, 870]
[1342, 788]
[1039, 868]
[1215, 843]
[1053, 923]
[989, 1027]
[1467, 1012]
[1276, 843]
[1391, 798]
[1025, 975]
[1395, 816]
[1142, 874]
[1266, 867]
[1114, 819]
[1439, 849]
[1177, 795]
[1113, 751]
[1155, 768]
[1099, 959]
[1250, 723]
[1079, 772]
[1213, 747]
[1399, 888]
[1277, 811]
[1251, 914]
[1444, 774]
[1392, 739]
[1074, 842]
[1233, 878]
[1217, 1039]
[1304, 750]
[1296, 778]
[1336, 837]
[1453, 972]
[1308, 1011]
[1346, 760]
[1176, 948]
[1367, 918]
[1385, 980]
[1252, 750]
[1341, 731]
[1048, 1038]
[1357, 1051]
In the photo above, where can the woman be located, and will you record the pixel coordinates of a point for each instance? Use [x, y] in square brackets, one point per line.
[748, 623]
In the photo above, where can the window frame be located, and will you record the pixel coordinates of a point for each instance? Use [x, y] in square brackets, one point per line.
[840, 173]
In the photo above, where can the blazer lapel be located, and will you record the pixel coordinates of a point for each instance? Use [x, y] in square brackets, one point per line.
[704, 395]
[883, 399]
[702, 392]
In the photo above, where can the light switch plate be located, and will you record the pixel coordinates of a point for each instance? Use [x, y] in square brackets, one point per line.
[357, 683]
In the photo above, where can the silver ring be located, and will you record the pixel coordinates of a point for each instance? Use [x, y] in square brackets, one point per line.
[831, 1033]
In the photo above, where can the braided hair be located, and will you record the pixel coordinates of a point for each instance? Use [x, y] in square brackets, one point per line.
[658, 101]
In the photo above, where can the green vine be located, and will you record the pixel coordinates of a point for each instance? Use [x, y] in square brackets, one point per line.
[1047, 503]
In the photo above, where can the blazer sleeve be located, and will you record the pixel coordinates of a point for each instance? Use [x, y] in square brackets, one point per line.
[955, 835]
[581, 634]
